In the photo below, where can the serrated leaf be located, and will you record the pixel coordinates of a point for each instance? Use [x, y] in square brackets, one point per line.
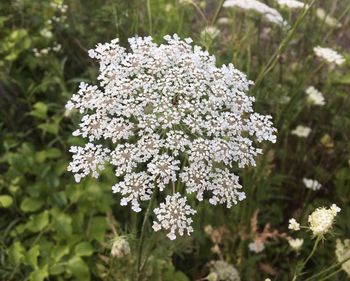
[84, 249]
[16, 253]
[39, 274]
[5, 201]
[32, 256]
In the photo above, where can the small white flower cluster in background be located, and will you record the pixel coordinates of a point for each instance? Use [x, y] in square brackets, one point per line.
[314, 96]
[320, 221]
[272, 15]
[209, 33]
[165, 116]
[301, 131]
[329, 55]
[222, 270]
[296, 243]
[293, 224]
[45, 51]
[292, 4]
[327, 19]
[312, 184]
[120, 247]
[62, 9]
[342, 252]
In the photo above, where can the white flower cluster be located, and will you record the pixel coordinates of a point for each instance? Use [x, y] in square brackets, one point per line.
[342, 251]
[314, 96]
[174, 215]
[329, 55]
[312, 184]
[296, 243]
[301, 131]
[272, 15]
[222, 270]
[327, 19]
[320, 221]
[166, 118]
[292, 4]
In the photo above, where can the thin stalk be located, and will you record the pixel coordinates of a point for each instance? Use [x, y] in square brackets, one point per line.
[149, 12]
[217, 12]
[332, 274]
[283, 45]
[327, 269]
[296, 275]
[142, 235]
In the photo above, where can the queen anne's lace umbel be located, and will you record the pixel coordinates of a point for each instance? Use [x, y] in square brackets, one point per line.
[167, 118]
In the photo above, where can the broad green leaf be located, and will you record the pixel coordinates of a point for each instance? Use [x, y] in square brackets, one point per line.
[16, 253]
[57, 268]
[98, 228]
[39, 274]
[32, 256]
[39, 111]
[62, 223]
[5, 201]
[38, 222]
[59, 252]
[84, 249]
[79, 268]
[31, 204]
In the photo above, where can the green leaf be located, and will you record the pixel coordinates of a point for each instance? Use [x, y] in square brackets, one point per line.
[39, 274]
[98, 228]
[83, 249]
[31, 204]
[39, 111]
[62, 223]
[59, 252]
[32, 256]
[16, 253]
[79, 268]
[38, 222]
[5, 201]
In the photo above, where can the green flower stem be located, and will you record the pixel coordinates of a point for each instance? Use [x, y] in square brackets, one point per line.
[296, 275]
[149, 12]
[217, 12]
[328, 269]
[142, 235]
[283, 45]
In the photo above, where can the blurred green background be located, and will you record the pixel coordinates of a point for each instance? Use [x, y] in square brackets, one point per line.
[54, 229]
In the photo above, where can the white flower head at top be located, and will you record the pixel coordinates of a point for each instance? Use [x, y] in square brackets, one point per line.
[314, 96]
[296, 243]
[322, 219]
[301, 131]
[174, 215]
[165, 117]
[272, 15]
[293, 224]
[292, 4]
[312, 184]
[329, 55]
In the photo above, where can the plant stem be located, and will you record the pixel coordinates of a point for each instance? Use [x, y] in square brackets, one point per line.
[283, 45]
[149, 12]
[217, 12]
[328, 269]
[142, 235]
[296, 275]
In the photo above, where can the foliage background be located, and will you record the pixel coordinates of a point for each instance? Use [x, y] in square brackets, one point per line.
[54, 229]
